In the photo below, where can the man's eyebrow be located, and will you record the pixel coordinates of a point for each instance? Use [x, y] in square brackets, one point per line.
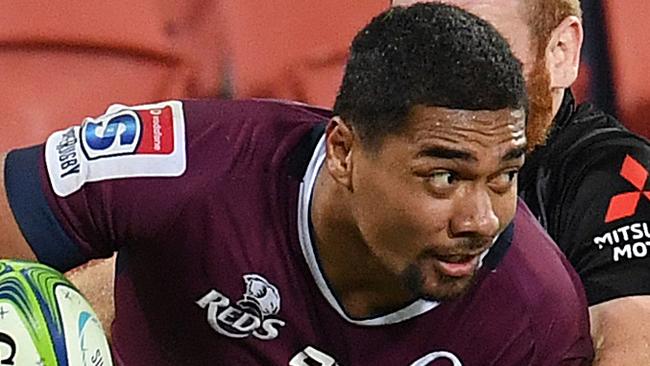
[515, 153]
[440, 152]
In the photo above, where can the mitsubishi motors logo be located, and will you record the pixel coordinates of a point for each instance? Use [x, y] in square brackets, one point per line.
[624, 204]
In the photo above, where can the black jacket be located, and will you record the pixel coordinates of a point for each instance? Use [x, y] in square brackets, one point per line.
[589, 188]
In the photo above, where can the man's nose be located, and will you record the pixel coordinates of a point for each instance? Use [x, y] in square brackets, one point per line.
[474, 215]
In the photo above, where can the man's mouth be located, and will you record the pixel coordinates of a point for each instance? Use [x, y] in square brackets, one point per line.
[461, 261]
[458, 258]
[457, 265]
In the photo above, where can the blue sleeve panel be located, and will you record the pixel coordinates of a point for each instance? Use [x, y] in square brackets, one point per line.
[51, 244]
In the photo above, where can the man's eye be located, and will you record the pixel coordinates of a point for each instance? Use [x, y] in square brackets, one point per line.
[504, 180]
[442, 179]
[511, 175]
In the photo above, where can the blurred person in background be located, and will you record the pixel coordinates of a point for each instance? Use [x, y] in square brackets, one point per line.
[586, 177]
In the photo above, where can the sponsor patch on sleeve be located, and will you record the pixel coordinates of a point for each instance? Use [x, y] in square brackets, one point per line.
[628, 230]
[140, 141]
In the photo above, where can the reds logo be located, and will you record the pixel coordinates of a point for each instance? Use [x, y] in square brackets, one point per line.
[624, 204]
[252, 315]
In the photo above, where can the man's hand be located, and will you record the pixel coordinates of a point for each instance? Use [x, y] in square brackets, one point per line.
[621, 331]
[95, 281]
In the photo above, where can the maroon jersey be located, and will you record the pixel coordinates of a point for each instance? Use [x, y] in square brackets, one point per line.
[207, 204]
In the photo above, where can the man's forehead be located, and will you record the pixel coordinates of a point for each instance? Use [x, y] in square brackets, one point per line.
[436, 128]
[442, 115]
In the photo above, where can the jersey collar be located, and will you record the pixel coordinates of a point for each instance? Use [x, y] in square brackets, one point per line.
[488, 261]
[311, 256]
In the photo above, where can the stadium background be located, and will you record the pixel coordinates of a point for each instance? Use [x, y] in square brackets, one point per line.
[64, 60]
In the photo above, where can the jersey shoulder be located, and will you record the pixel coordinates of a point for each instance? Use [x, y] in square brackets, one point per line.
[538, 279]
[592, 138]
[539, 270]
[164, 139]
[605, 183]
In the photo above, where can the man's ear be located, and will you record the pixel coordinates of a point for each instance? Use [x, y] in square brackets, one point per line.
[563, 52]
[339, 141]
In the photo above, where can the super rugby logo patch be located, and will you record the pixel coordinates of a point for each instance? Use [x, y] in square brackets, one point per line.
[252, 315]
[117, 135]
[140, 141]
[129, 132]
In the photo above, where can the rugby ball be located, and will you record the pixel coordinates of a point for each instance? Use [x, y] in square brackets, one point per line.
[45, 321]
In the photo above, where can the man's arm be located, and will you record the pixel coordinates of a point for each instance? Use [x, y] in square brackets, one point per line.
[95, 280]
[620, 330]
[12, 242]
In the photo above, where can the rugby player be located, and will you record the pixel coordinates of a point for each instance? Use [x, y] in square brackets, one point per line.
[386, 232]
[586, 177]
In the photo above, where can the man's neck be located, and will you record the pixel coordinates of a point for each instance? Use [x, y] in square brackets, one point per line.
[558, 97]
[363, 286]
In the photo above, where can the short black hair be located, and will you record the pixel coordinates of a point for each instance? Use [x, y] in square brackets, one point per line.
[427, 54]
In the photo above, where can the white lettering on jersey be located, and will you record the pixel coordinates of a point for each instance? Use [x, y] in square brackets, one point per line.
[253, 315]
[310, 356]
[141, 141]
[626, 242]
[439, 355]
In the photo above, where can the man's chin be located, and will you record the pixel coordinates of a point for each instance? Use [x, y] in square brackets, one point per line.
[447, 289]
[436, 286]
